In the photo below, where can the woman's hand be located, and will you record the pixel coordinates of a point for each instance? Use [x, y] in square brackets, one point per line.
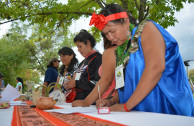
[103, 102]
[118, 107]
[81, 103]
[70, 84]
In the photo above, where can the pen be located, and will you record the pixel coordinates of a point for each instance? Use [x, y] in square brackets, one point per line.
[99, 95]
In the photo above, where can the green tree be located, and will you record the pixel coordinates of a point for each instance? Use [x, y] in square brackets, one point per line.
[16, 59]
[47, 24]
[191, 75]
[52, 15]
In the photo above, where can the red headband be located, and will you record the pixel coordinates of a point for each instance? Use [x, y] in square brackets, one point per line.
[99, 21]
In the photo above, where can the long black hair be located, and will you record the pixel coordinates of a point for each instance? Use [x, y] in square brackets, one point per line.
[83, 36]
[68, 51]
[106, 42]
[20, 80]
[115, 8]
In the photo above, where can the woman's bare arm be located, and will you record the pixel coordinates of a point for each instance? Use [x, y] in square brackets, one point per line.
[153, 46]
[106, 102]
[108, 70]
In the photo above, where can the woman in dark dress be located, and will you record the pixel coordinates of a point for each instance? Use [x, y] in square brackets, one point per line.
[86, 76]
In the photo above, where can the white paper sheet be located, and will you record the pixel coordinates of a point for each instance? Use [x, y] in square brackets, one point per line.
[17, 103]
[69, 110]
[9, 93]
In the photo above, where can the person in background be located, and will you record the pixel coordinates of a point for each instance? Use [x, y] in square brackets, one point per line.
[107, 80]
[1, 82]
[150, 74]
[68, 68]
[51, 74]
[86, 76]
[1, 76]
[19, 85]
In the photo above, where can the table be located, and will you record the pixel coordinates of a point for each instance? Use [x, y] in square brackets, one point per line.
[6, 116]
[133, 118]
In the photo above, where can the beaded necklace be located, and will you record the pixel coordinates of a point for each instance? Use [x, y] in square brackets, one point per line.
[130, 46]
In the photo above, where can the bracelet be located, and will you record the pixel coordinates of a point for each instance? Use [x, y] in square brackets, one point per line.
[125, 107]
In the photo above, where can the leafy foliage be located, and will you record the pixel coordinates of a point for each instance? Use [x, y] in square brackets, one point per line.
[16, 59]
[41, 27]
[48, 88]
[53, 14]
[191, 75]
[52, 18]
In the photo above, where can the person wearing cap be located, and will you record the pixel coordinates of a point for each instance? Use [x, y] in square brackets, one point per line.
[150, 74]
[51, 74]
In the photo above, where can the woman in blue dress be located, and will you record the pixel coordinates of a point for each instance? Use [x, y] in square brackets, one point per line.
[150, 74]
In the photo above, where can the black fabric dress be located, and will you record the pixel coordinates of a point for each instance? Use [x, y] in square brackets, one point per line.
[89, 75]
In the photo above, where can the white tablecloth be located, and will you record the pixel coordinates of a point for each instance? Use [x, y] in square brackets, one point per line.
[6, 116]
[132, 118]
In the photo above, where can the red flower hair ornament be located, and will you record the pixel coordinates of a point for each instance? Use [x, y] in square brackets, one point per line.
[99, 21]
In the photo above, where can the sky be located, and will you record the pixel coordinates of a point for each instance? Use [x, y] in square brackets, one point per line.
[183, 32]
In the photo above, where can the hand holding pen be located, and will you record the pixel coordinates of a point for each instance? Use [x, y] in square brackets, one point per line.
[102, 102]
[101, 108]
